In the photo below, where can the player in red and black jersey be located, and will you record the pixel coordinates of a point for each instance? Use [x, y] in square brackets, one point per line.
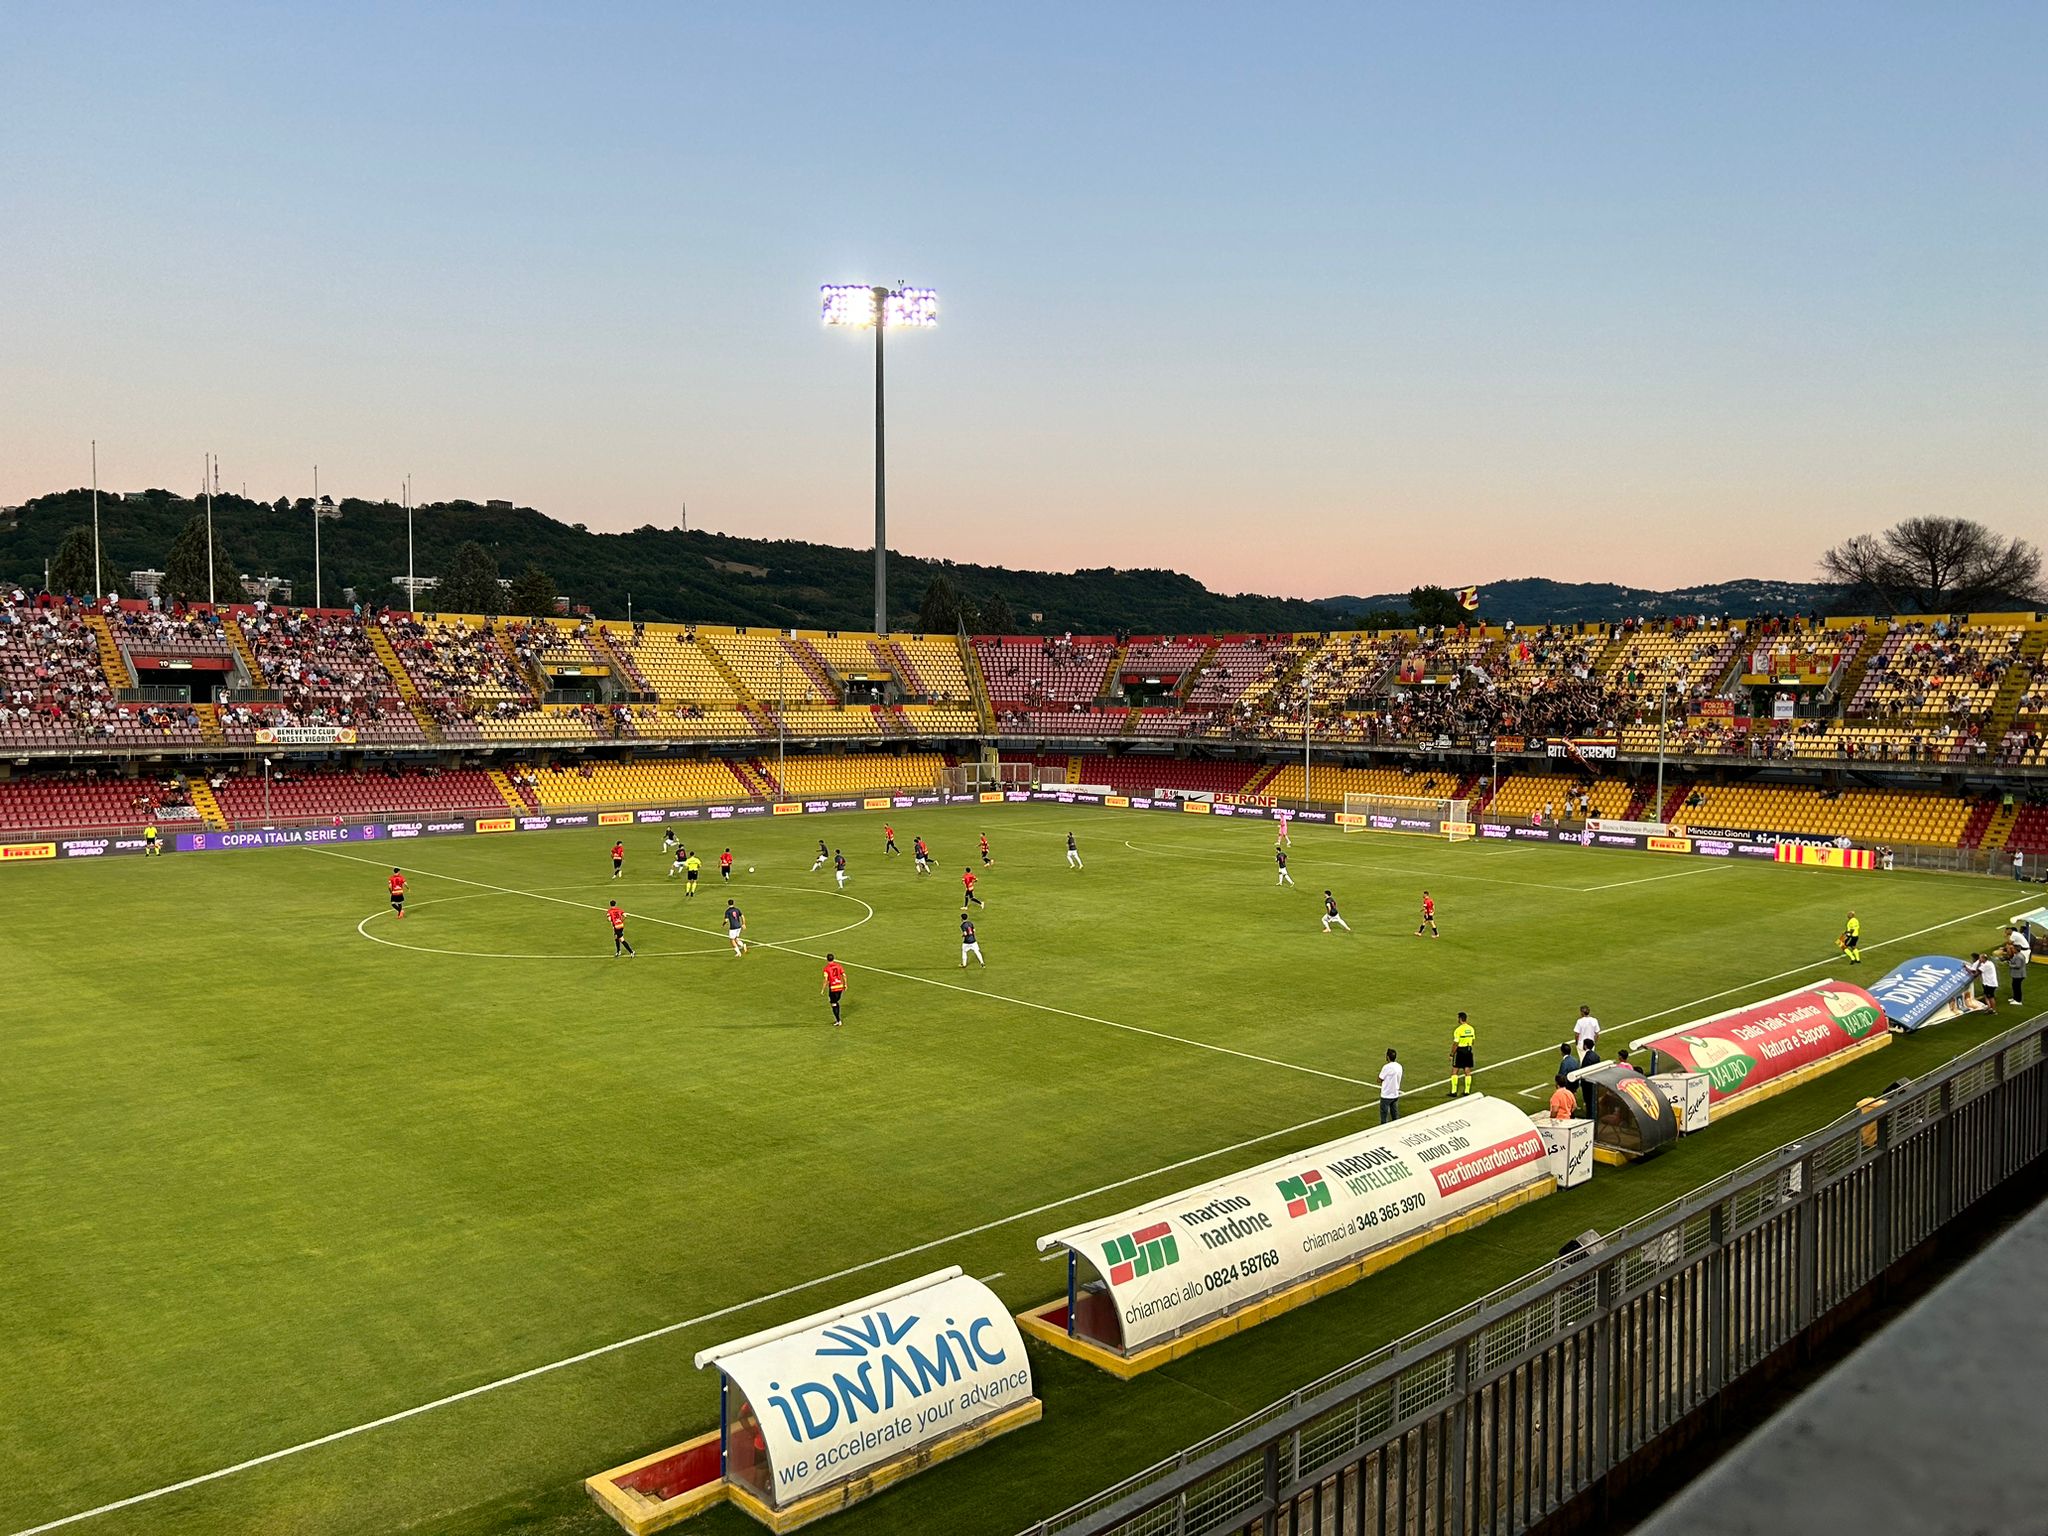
[834, 985]
[618, 860]
[725, 866]
[396, 884]
[618, 922]
[1428, 917]
[967, 878]
[889, 840]
[986, 859]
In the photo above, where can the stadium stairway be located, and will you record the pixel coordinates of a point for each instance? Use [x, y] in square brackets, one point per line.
[1074, 769]
[1193, 674]
[1107, 688]
[516, 799]
[893, 658]
[2005, 704]
[204, 802]
[209, 725]
[984, 709]
[112, 662]
[423, 717]
[243, 653]
[753, 773]
[1852, 675]
[1990, 824]
[806, 656]
[1256, 785]
[1674, 801]
[638, 688]
[1610, 655]
[381, 648]
[747, 702]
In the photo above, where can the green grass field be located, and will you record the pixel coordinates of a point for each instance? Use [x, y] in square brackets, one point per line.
[274, 1165]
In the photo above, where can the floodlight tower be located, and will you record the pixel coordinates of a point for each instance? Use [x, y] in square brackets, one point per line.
[861, 306]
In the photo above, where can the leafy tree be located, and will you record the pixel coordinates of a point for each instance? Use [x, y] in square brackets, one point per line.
[185, 577]
[533, 593]
[71, 567]
[995, 618]
[470, 584]
[943, 609]
[1434, 605]
[1938, 564]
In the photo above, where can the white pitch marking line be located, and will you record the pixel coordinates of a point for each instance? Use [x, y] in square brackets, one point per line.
[740, 1306]
[1704, 869]
[1369, 865]
[929, 981]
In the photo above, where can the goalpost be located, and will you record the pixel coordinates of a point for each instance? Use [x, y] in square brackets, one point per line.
[974, 778]
[1415, 815]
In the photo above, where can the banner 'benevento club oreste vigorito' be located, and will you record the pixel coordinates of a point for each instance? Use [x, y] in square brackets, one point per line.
[1749, 1049]
[1153, 1273]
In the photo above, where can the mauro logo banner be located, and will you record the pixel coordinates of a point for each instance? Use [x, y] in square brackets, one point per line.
[1217, 1248]
[1744, 1049]
[835, 1395]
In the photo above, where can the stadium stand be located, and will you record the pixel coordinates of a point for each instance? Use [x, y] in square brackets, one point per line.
[931, 668]
[455, 658]
[1033, 673]
[1522, 795]
[1332, 782]
[1238, 669]
[1867, 816]
[88, 802]
[54, 690]
[1142, 773]
[1939, 668]
[768, 668]
[854, 773]
[658, 782]
[194, 632]
[296, 796]
[1692, 658]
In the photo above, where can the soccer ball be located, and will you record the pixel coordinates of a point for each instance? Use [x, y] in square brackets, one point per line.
[750, 869]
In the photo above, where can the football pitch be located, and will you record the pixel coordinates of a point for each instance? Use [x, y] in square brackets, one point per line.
[441, 1208]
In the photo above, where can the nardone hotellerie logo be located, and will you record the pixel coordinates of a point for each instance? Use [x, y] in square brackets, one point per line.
[1140, 1253]
[1305, 1193]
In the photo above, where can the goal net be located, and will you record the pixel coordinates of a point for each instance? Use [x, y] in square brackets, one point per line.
[974, 778]
[1415, 815]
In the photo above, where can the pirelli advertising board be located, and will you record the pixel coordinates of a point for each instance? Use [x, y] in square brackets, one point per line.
[1142, 1277]
[1747, 1049]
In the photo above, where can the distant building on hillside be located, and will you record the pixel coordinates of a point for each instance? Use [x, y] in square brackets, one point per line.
[145, 583]
[326, 508]
[268, 589]
[495, 505]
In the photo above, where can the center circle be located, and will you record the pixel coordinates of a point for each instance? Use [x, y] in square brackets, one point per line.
[542, 893]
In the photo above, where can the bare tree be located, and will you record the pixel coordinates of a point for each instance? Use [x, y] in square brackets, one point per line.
[1938, 564]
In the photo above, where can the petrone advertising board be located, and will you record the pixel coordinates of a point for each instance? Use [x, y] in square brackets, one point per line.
[1742, 1050]
[1220, 1247]
[875, 1381]
[1924, 990]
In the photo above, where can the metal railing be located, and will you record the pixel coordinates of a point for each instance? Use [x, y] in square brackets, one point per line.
[1493, 1418]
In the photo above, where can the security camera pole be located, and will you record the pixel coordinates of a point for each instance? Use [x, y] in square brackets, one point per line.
[867, 306]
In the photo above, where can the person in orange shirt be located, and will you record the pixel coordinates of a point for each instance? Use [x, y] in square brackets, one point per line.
[396, 884]
[967, 878]
[618, 921]
[889, 840]
[1563, 1102]
[834, 985]
[618, 860]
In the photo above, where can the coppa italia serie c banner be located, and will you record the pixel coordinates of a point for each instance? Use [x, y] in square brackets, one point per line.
[1219, 1247]
[1742, 1050]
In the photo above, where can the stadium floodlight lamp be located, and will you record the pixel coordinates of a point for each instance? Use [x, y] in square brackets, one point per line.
[874, 307]
[859, 306]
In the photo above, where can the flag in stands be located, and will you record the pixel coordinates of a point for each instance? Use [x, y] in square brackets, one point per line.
[1468, 599]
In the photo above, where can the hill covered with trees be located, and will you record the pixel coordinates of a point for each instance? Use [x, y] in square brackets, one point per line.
[707, 577]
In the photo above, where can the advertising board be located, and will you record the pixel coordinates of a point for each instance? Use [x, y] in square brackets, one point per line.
[1747, 1048]
[1924, 990]
[1219, 1247]
[876, 1381]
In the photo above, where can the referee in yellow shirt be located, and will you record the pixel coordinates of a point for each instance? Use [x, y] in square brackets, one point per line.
[1463, 1039]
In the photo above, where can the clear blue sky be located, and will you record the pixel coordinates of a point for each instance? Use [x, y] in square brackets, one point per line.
[1299, 299]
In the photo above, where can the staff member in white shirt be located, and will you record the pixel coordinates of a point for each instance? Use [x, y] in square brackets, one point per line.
[1390, 1088]
[1987, 975]
[1586, 1028]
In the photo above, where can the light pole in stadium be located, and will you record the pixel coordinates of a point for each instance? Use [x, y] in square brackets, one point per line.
[865, 306]
[316, 536]
[97, 584]
[208, 486]
[1663, 713]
